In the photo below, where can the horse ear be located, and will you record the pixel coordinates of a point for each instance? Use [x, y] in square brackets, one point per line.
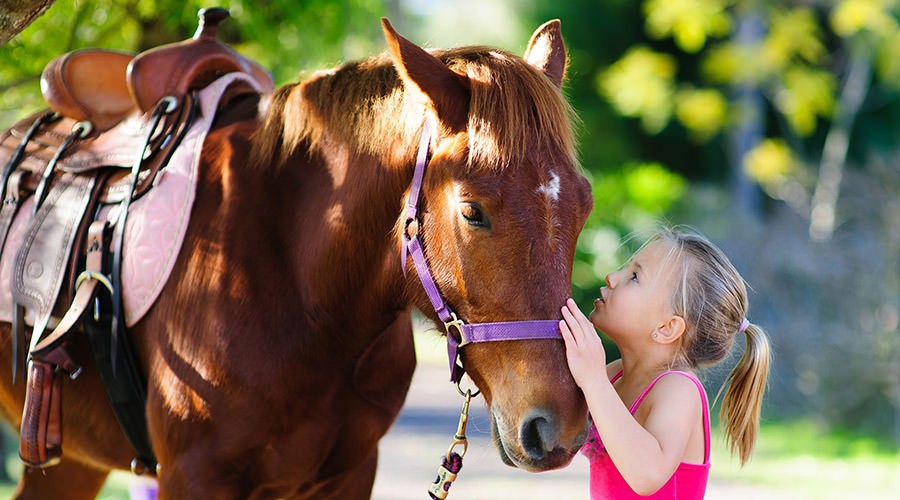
[447, 90]
[547, 52]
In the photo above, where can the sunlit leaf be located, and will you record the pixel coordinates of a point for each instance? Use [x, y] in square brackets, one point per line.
[852, 16]
[653, 188]
[641, 85]
[769, 162]
[701, 111]
[732, 63]
[793, 34]
[688, 22]
[807, 94]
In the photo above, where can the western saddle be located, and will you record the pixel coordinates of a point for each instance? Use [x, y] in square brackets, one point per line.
[114, 120]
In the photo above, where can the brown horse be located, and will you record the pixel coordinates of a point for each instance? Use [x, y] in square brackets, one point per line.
[280, 350]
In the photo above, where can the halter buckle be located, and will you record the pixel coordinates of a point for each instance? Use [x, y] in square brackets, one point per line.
[456, 323]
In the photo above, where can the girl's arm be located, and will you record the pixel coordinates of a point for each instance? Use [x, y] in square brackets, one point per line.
[646, 455]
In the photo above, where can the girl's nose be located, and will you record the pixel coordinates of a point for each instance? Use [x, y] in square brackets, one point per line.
[609, 280]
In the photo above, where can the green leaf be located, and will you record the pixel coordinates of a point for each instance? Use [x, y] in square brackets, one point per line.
[702, 111]
[641, 85]
[688, 22]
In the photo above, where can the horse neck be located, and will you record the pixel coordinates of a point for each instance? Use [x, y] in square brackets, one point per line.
[347, 208]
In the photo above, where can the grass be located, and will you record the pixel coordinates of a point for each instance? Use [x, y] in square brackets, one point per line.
[797, 459]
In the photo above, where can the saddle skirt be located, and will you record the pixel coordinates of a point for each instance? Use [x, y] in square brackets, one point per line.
[156, 224]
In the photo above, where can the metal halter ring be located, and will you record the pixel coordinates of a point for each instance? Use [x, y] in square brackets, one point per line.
[468, 394]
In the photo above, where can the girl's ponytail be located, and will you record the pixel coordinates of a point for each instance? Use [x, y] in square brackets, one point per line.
[741, 406]
[712, 298]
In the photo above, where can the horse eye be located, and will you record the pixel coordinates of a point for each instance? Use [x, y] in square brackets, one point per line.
[473, 215]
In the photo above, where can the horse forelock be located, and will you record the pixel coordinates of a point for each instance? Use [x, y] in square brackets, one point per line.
[514, 111]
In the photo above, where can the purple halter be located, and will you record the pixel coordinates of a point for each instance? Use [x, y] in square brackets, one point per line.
[468, 333]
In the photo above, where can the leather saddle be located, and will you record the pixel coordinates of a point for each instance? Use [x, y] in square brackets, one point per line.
[109, 94]
[103, 87]
[114, 120]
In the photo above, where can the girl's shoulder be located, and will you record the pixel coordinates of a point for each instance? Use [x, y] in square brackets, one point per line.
[674, 388]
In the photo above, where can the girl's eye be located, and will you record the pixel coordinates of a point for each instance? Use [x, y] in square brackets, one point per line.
[474, 215]
[634, 276]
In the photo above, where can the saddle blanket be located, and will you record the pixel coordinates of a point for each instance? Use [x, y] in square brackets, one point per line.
[156, 222]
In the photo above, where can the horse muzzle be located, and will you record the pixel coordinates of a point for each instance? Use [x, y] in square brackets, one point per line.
[534, 444]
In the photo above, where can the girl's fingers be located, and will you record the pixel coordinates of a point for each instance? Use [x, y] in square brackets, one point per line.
[583, 320]
[568, 339]
[571, 323]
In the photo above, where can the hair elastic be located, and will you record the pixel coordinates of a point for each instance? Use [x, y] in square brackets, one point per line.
[744, 325]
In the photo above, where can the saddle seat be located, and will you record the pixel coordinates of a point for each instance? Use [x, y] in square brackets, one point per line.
[89, 85]
[104, 87]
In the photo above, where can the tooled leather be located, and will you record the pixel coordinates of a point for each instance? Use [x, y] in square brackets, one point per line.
[157, 221]
[41, 432]
[44, 252]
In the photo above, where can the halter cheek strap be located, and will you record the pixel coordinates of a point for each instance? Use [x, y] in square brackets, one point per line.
[468, 333]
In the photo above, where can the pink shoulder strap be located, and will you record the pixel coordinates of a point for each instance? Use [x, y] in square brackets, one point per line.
[703, 399]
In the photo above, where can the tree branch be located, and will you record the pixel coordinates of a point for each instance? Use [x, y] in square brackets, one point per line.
[16, 15]
[837, 142]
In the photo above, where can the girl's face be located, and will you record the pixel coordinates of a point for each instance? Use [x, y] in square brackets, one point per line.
[637, 298]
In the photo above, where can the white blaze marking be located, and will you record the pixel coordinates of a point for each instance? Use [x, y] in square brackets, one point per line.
[551, 189]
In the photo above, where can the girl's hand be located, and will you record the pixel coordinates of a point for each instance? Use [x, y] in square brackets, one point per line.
[584, 349]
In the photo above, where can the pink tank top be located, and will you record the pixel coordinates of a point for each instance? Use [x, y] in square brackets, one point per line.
[687, 483]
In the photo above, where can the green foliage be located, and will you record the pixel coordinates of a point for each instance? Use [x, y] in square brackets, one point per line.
[769, 162]
[688, 22]
[641, 85]
[63, 28]
[703, 111]
[285, 36]
[792, 60]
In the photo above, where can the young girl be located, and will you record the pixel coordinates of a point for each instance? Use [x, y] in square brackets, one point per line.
[676, 306]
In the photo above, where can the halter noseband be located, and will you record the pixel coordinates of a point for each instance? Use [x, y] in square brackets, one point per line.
[468, 333]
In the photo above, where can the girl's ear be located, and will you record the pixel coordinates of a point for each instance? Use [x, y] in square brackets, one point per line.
[670, 330]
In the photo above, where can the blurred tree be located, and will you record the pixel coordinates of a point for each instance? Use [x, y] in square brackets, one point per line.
[814, 63]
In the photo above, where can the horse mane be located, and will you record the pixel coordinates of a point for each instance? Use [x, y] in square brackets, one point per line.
[364, 104]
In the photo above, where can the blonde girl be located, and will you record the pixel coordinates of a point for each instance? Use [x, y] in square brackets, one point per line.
[676, 306]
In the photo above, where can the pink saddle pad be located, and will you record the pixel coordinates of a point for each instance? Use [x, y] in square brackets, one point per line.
[157, 221]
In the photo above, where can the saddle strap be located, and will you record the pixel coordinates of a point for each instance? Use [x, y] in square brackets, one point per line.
[40, 445]
[12, 200]
[116, 362]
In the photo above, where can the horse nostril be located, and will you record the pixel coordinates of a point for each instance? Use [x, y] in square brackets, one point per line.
[536, 437]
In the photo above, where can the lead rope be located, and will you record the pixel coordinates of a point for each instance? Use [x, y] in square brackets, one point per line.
[451, 463]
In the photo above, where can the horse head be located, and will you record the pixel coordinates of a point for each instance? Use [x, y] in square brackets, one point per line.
[502, 203]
